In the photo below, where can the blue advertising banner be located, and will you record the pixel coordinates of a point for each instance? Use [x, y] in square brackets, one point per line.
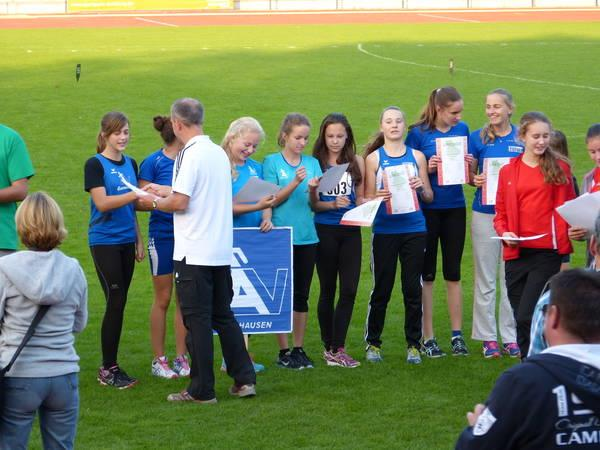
[262, 274]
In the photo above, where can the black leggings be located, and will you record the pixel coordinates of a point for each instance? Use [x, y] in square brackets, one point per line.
[114, 266]
[338, 252]
[304, 266]
[448, 227]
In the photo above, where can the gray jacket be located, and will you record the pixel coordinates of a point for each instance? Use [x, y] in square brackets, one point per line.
[29, 279]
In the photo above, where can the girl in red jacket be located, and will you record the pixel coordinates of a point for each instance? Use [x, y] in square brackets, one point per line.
[530, 188]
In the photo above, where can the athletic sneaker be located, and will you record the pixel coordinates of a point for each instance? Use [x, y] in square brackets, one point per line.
[181, 366]
[431, 349]
[459, 348]
[374, 354]
[245, 390]
[413, 356]
[184, 396]
[300, 355]
[286, 361]
[115, 377]
[161, 369]
[491, 350]
[257, 366]
[512, 349]
[341, 359]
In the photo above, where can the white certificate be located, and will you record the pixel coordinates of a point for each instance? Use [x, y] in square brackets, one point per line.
[453, 169]
[331, 178]
[491, 168]
[254, 190]
[528, 238]
[404, 198]
[133, 188]
[363, 215]
[582, 211]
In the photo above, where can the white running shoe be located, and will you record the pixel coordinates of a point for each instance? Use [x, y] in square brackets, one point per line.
[160, 368]
[181, 366]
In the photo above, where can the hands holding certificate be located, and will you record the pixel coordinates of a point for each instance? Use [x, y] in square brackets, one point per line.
[451, 161]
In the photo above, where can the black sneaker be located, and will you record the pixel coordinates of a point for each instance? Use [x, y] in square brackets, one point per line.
[286, 361]
[459, 348]
[115, 377]
[431, 349]
[300, 355]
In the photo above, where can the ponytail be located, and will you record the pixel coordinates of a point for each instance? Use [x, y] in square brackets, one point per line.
[111, 123]
[440, 97]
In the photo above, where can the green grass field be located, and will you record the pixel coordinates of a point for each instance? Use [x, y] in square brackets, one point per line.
[266, 72]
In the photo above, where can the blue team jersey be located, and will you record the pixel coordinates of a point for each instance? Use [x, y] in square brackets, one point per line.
[345, 188]
[385, 223]
[295, 211]
[158, 168]
[116, 226]
[501, 147]
[251, 169]
[444, 197]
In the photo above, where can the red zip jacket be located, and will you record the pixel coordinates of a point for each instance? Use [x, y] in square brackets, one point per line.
[507, 208]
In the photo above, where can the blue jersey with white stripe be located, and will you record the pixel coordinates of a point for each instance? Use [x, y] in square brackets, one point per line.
[251, 169]
[158, 168]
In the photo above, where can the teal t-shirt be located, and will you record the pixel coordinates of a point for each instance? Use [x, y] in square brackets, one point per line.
[295, 212]
[14, 165]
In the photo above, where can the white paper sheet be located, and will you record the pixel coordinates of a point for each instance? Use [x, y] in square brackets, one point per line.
[254, 190]
[582, 211]
[453, 168]
[491, 168]
[363, 215]
[396, 180]
[331, 178]
[130, 186]
[528, 238]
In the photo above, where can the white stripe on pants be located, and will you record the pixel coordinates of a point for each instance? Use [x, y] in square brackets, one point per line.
[487, 255]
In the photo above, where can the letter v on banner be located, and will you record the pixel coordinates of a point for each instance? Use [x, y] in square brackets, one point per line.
[261, 269]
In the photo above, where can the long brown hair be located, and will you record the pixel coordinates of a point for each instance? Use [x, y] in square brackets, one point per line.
[111, 123]
[549, 161]
[441, 97]
[348, 153]
[487, 134]
[377, 140]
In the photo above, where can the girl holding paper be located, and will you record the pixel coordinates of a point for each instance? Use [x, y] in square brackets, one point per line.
[530, 188]
[399, 236]
[114, 236]
[291, 170]
[439, 130]
[241, 141]
[340, 246]
[157, 168]
[491, 146]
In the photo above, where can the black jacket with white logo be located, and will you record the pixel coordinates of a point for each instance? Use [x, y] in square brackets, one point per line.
[552, 400]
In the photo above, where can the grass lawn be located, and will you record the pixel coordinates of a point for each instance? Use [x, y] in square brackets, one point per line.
[266, 72]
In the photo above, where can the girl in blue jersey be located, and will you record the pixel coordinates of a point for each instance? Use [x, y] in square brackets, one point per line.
[340, 246]
[497, 139]
[291, 170]
[395, 236]
[158, 169]
[114, 236]
[240, 142]
[445, 216]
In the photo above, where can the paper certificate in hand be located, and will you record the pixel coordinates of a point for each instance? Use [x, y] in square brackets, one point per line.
[331, 178]
[453, 169]
[404, 198]
[491, 168]
[254, 190]
[133, 188]
[363, 215]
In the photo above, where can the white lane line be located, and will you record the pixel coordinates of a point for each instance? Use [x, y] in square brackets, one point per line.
[457, 19]
[477, 72]
[158, 22]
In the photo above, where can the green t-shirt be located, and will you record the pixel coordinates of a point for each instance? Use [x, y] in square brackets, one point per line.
[14, 165]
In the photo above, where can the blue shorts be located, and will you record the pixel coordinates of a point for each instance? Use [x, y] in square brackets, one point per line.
[160, 255]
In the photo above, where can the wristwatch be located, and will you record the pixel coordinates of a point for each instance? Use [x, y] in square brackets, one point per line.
[154, 204]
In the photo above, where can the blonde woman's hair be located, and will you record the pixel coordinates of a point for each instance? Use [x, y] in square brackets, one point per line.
[40, 222]
[237, 128]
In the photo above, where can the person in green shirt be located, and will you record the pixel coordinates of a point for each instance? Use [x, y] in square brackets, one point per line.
[15, 171]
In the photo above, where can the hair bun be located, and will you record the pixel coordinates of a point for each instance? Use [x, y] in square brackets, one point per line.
[159, 122]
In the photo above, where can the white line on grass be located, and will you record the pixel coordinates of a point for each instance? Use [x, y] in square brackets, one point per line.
[476, 72]
[158, 22]
[457, 19]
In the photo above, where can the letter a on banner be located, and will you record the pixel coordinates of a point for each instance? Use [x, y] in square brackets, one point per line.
[261, 269]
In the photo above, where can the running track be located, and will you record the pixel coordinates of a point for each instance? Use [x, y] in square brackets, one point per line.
[194, 19]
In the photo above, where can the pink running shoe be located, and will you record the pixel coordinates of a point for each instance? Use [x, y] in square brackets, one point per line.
[342, 359]
[181, 366]
[512, 349]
